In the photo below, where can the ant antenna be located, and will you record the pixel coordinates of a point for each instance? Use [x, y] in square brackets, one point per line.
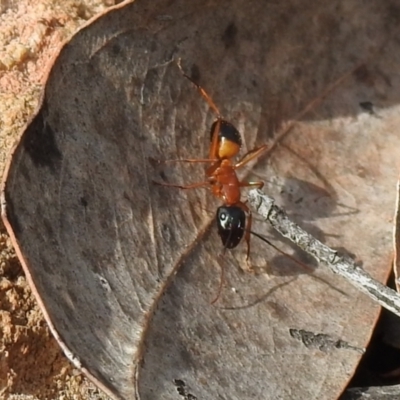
[221, 283]
[205, 95]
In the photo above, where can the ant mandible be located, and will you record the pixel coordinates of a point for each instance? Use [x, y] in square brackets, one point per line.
[225, 143]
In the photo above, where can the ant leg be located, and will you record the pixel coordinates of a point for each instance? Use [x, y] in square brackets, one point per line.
[192, 186]
[192, 160]
[205, 95]
[251, 155]
[247, 237]
[257, 184]
[214, 137]
[248, 230]
[221, 283]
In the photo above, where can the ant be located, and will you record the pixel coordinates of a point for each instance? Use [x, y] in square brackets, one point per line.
[221, 177]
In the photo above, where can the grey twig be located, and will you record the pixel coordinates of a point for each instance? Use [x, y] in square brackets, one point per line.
[265, 207]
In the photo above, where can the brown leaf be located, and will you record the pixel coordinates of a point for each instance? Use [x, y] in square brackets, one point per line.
[396, 232]
[125, 270]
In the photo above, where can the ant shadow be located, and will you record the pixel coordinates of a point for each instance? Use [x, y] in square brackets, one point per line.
[260, 299]
[292, 264]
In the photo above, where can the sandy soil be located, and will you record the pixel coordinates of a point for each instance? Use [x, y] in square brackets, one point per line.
[32, 365]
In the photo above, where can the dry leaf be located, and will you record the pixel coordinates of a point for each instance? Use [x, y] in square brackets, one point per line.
[396, 237]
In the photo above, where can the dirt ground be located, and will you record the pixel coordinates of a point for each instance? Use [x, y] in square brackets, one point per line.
[32, 365]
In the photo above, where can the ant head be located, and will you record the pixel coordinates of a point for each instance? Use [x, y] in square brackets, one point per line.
[231, 223]
[229, 139]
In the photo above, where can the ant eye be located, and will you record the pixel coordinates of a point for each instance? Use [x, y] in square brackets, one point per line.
[225, 220]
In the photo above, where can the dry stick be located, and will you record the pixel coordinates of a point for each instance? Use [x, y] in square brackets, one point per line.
[343, 266]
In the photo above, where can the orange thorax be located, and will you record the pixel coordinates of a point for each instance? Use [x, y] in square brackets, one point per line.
[225, 183]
